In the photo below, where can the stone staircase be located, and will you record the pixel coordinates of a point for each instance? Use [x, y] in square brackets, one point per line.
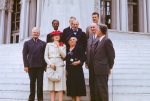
[129, 81]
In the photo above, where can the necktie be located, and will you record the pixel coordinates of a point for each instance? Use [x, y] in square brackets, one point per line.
[96, 44]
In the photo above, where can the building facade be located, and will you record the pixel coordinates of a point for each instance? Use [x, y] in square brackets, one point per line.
[18, 17]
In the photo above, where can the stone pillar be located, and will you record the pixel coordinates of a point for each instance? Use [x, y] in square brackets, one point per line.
[123, 15]
[97, 6]
[9, 6]
[115, 18]
[39, 11]
[148, 16]
[145, 16]
[27, 19]
[142, 16]
[2, 27]
[22, 20]
[32, 16]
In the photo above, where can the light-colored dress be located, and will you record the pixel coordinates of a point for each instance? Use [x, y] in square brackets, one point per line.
[55, 55]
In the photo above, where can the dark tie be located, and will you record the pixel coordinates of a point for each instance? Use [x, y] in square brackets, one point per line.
[95, 46]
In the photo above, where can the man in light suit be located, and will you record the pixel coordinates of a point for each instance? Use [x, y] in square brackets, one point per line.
[88, 63]
[95, 19]
[102, 62]
[34, 63]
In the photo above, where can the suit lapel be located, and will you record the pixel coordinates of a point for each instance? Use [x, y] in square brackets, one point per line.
[99, 44]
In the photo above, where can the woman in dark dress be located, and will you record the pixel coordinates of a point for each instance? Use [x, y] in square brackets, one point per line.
[75, 76]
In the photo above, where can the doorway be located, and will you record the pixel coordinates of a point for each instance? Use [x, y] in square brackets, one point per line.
[133, 15]
[105, 7]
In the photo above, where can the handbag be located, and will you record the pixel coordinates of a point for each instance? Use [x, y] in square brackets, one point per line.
[53, 75]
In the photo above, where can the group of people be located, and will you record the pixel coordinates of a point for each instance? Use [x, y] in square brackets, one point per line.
[66, 52]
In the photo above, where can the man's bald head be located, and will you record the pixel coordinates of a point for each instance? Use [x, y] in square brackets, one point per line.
[94, 27]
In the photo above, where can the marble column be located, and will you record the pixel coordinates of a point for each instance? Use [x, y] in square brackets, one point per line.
[10, 6]
[22, 20]
[142, 16]
[145, 16]
[39, 11]
[115, 16]
[148, 16]
[27, 19]
[32, 16]
[124, 15]
[2, 27]
[97, 5]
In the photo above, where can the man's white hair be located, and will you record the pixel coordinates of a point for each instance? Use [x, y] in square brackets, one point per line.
[74, 38]
[35, 29]
[94, 24]
[75, 21]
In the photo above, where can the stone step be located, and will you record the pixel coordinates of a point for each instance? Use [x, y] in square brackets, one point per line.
[133, 62]
[130, 82]
[11, 65]
[134, 76]
[115, 97]
[130, 66]
[131, 70]
[111, 82]
[115, 89]
[26, 87]
[115, 70]
[23, 96]
[131, 97]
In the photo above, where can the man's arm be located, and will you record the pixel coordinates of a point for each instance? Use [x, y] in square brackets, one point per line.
[110, 53]
[25, 55]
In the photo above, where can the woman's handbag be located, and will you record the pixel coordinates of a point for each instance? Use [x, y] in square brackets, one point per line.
[53, 75]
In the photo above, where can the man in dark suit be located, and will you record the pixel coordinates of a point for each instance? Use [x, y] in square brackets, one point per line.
[79, 34]
[88, 63]
[102, 61]
[55, 24]
[34, 63]
[68, 30]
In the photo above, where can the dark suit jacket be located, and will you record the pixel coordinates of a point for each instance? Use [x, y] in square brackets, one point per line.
[66, 33]
[81, 39]
[33, 53]
[49, 38]
[104, 55]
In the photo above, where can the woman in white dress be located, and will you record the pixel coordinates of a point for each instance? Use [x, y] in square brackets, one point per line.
[55, 52]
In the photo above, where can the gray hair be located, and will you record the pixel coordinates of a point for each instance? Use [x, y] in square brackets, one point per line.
[103, 28]
[76, 21]
[72, 17]
[35, 29]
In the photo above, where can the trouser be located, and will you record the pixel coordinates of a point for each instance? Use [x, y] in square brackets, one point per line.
[36, 73]
[92, 83]
[101, 87]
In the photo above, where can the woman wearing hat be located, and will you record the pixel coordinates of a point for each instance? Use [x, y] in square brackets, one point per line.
[75, 77]
[55, 52]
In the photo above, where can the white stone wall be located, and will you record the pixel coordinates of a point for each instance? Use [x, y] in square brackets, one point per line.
[62, 10]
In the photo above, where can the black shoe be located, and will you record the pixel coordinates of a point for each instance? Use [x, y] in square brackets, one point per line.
[30, 100]
[40, 100]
